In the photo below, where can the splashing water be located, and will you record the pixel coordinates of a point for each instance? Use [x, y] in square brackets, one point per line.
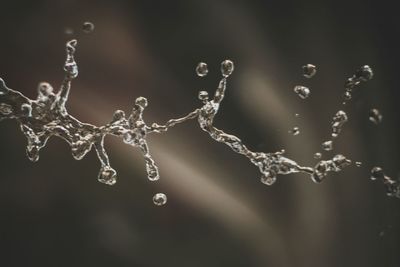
[309, 70]
[47, 116]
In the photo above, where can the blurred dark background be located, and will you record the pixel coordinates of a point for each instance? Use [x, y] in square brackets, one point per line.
[55, 213]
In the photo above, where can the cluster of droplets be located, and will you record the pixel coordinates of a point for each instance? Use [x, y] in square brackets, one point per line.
[363, 74]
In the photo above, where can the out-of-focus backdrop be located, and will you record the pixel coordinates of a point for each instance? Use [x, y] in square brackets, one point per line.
[55, 213]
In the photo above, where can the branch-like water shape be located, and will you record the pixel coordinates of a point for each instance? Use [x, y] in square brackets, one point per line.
[47, 116]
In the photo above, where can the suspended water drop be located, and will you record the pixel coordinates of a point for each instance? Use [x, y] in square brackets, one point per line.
[375, 116]
[317, 155]
[294, 131]
[358, 163]
[5, 109]
[365, 73]
[202, 69]
[338, 120]
[297, 115]
[377, 173]
[327, 145]
[159, 199]
[309, 70]
[203, 95]
[302, 91]
[227, 67]
[88, 27]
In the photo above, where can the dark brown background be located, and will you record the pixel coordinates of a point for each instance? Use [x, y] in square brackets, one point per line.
[55, 213]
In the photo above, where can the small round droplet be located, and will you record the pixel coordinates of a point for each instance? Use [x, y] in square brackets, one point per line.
[317, 155]
[227, 67]
[365, 73]
[358, 164]
[295, 131]
[375, 116]
[202, 69]
[159, 199]
[302, 91]
[327, 145]
[377, 173]
[309, 70]
[203, 95]
[297, 115]
[87, 27]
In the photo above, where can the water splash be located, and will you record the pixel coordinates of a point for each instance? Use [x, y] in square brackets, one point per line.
[47, 116]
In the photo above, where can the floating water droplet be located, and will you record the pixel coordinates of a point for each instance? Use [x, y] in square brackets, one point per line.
[88, 27]
[5, 109]
[302, 91]
[317, 155]
[297, 115]
[202, 69]
[227, 67]
[358, 163]
[365, 73]
[375, 116]
[309, 70]
[327, 145]
[377, 173]
[159, 199]
[295, 131]
[338, 121]
[203, 95]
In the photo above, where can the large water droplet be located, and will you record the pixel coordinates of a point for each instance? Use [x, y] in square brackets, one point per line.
[227, 67]
[87, 27]
[268, 178]
[375, 116]
[202, 69]
[309, 70]
[159, 199]
[302, 91]
[107, 175]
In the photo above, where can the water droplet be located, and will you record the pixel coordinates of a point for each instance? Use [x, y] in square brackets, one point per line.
[202, 69]
[302, 91]
[68, 31]
[309, 70]
[338, 121]
[203, 95]
[365, 73]
[159, 199]
[327, 145]
[297, 115]
[375, 116]
[317, 155]
[268, 178]
[377, 173]
[295, 131]
[358, 164]
[227, 67]
[107, 175]
[88, 27]
[5, 109]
